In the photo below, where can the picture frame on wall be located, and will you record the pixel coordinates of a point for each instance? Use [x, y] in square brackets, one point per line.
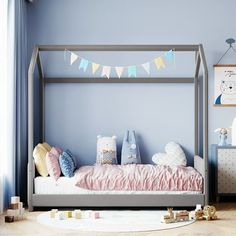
[225, 85]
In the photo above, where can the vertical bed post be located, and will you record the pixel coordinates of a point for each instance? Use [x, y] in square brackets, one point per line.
[31, 126]
[196, 105]
[205, 121]
[42, 99]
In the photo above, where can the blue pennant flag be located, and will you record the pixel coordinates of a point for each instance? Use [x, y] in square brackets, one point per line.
[132, 71]
[83, 64]
[169, 55]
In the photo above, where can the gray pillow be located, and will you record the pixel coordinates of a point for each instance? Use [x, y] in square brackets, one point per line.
[130, 151]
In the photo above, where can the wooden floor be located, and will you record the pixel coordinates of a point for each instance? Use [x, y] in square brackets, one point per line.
[225, 225]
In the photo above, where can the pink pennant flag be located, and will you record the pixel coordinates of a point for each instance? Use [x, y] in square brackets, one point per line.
[146, 67]
[159, 63]
[119, 71]
[106, 71]
[95, 66]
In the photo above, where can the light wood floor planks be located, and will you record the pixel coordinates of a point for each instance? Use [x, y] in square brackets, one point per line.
[225, 226]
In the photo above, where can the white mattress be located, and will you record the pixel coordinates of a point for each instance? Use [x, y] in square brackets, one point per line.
[64, 185]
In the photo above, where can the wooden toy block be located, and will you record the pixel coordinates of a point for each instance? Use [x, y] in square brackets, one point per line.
[9, 219]
[13, 212]
[14, 206]
[15, 199]
[60, 216]
[53, 213]
[68, 214]
[77, 214]
[95, 215]
[86, 214]
[20, 205]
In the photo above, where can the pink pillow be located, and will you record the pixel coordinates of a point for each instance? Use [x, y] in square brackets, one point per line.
[52, 162]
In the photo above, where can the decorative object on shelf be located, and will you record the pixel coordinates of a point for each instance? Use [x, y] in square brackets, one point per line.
[106, 150]
[225, 80]
[130, 151]
[222, 135]
[233, 132]
[160, 62]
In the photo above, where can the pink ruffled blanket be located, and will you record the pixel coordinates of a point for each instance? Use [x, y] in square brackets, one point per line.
[139, 178]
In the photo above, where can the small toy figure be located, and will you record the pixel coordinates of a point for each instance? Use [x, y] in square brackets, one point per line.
[182, 216]
[209, 212]
[169, 218]
[222, 135]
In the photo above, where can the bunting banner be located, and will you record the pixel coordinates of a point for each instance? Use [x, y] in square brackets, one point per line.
[119, 70]
[132, 71]
[95, 66]
[83, 64]
[169, 55]
[160, 62]
[146, 67]
[106, 71]
[73, 58]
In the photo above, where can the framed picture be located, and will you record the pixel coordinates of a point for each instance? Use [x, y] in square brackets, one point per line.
[225, 85]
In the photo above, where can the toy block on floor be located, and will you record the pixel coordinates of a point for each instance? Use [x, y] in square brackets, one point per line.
[53, 213]
[16, 210]
[77, 214]
[68, 214]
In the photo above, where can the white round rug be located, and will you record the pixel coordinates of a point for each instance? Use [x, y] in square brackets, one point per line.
[114, 221]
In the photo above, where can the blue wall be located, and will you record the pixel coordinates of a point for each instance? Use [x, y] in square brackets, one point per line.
[75, 114]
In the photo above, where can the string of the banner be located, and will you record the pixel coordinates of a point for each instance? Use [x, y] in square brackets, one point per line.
[158, 61]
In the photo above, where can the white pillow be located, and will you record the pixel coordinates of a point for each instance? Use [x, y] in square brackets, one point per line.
[174, 156]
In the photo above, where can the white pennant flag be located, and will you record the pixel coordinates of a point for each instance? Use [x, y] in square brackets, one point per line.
[146, 67]
[73, 58]
[106, 71]
[119, 70]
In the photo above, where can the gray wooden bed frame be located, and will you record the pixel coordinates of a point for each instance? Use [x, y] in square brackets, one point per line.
[124, 200]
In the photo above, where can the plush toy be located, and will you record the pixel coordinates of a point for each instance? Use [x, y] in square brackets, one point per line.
[130, 151]
[106, 150]
[174, 156]
[222, 135]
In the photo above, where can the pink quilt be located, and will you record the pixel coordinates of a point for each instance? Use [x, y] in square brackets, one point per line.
[139, 178]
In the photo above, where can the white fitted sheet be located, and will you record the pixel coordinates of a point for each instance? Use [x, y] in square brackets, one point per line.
[64, 185]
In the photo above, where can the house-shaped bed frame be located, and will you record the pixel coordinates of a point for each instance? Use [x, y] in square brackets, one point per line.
[125, 200]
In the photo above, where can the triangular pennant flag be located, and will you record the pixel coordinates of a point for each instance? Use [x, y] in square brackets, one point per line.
[146, 67]
[169, 55]
[106, 71]
[83, 64]
[132, 71]
[95, 66]
[73, 58]
[119, 70]
[159, 63]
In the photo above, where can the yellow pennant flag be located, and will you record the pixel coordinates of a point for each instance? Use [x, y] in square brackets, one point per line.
[159, 63]
[95, 66]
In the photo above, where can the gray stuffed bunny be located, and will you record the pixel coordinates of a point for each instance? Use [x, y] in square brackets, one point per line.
[130, 151]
